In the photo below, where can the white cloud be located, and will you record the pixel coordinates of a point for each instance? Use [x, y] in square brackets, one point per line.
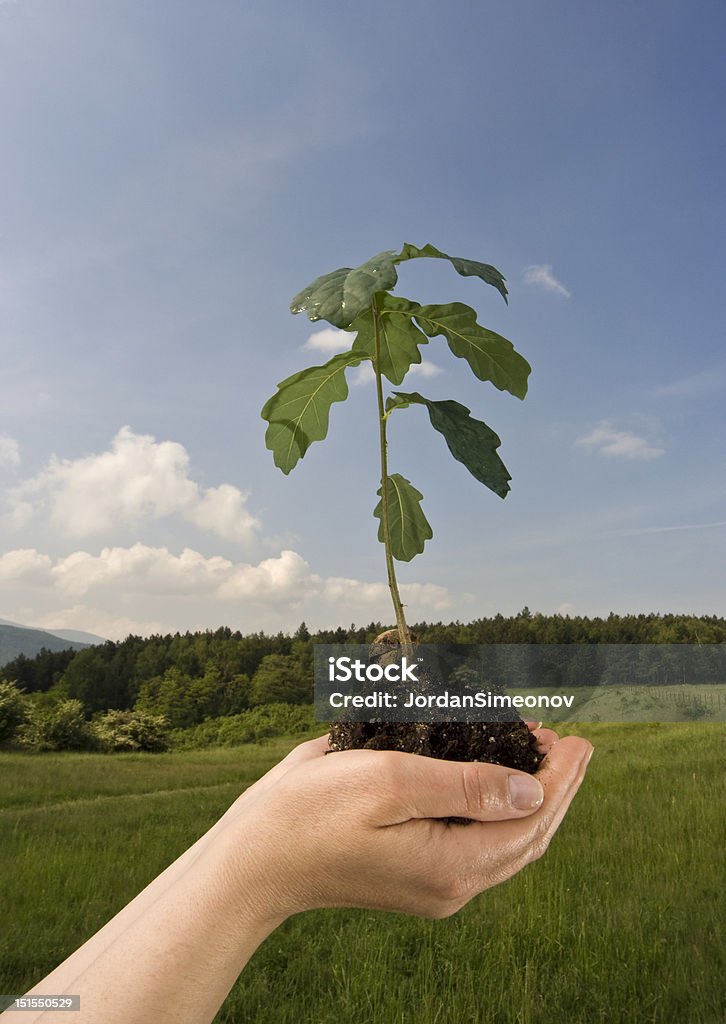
[540, 275]
[138, 479]
[347, 592]
[286, 578]
[140, 569]
[24, 564]
[363, 374]
[624, 444]
[222, 510]
[329, 340]
[425, 369]
[143, 589]
[9, 451]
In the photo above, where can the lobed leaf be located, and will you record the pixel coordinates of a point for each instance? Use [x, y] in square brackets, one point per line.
[409, 527]
[470, 441]
[341, 296]
[399, 337]
[300, 411]
[490, 356]
[467, 268]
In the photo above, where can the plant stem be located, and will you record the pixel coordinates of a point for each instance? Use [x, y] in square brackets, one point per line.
[404, 636]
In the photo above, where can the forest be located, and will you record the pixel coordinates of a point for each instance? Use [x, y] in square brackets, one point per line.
[219, 686]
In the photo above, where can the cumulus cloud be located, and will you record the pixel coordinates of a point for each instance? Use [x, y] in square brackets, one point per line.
[9, 451]
[347, 592]
[140, 569]
[624, 444]
[329, 340]
[24, 564]
[108, 592]
[144, 570]
[425, 369]
[286, 578]
[222, 510]
[540, 275]
[138, 479]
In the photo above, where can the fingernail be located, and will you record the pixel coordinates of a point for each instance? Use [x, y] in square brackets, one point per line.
[588, 756]
[525, 793]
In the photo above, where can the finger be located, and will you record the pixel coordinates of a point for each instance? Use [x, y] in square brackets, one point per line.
[565, 754]
[568, 797]
[546, 739]
[560, 776]
[549, 825]
[541, 835]
[555, 811]
[426, 787]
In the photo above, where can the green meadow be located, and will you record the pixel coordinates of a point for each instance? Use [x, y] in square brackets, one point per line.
[621, 921]
[626, 703]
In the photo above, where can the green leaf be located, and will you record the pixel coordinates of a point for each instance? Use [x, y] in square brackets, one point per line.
[299, 413]
[467, 268]
[341, 296]
[399, 337]
[470, 441]
[490, 356]
[409, 527]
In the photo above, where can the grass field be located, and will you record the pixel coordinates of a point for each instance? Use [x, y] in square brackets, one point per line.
[640, 704]
[621, 921]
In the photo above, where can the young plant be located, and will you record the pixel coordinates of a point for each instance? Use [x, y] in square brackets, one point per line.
[390, 331]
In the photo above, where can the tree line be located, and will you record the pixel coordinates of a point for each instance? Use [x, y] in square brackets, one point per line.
[184, 680]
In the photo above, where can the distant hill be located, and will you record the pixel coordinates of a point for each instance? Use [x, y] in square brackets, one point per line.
[79, 636]
[16, 640]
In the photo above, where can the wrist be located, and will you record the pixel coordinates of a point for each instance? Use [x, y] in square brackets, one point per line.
[254, 896]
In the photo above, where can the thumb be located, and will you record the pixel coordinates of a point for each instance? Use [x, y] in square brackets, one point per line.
[427, 787]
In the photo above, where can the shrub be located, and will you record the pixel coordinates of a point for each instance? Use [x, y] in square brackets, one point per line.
[259, 723]
[12, 710]
[118, 731]
[61, 726]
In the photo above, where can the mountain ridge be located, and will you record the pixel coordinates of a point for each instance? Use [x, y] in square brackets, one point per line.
[16, 640]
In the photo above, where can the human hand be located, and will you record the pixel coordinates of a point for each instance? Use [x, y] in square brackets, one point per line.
[359, 828]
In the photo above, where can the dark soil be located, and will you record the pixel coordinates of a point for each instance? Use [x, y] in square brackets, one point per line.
[505, 743]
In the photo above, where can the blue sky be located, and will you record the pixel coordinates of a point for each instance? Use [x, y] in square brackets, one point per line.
[173, 173]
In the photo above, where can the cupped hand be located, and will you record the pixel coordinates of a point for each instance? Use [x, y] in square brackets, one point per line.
[363, 828]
